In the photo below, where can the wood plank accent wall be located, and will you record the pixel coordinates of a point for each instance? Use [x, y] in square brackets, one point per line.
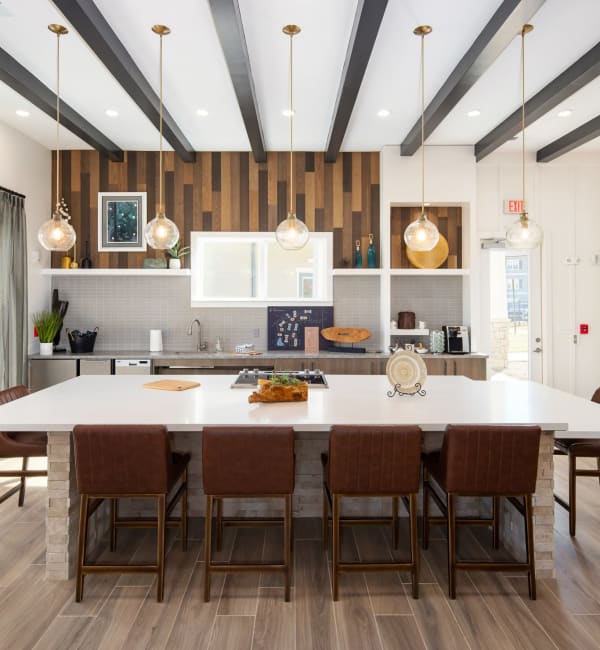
[447, 219]
[228, 191]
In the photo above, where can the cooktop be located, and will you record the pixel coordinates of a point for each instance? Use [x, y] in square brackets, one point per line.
[249, 378]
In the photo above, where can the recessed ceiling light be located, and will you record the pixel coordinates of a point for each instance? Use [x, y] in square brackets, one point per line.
[565, 113]
[383, 112]
[202, 112]
[111, 112]
[288, 113]
[21, 113]
[474, 113]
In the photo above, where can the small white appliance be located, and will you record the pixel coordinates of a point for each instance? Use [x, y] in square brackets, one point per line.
[156, 341]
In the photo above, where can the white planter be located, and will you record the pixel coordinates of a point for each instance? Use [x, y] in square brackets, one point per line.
[46, 348]
[174, 263]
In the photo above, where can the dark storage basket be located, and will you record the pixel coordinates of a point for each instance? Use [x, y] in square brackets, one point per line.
[82, 341]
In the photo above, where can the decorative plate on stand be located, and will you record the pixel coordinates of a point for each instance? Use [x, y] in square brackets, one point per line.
[406, 371]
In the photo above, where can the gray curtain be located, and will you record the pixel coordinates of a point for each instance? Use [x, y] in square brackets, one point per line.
[13, 290]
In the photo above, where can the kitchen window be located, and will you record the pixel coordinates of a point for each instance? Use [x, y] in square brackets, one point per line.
[251, 269]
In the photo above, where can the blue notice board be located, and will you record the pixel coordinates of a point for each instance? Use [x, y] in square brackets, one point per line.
[286, 326]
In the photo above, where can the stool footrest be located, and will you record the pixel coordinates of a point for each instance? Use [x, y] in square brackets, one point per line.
[237, 567]
[119, 568]
[473, 565]
[375, 566]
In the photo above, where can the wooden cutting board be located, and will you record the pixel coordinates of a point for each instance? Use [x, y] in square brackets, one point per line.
[346, 334]
[171, 384]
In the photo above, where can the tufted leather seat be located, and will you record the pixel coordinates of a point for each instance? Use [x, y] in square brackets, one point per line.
[367, 461]
[20, 444]
[113, 461]
[577, 448]
[247, 462]
[494, 461]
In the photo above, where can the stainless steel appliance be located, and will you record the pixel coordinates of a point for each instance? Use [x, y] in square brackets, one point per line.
[47, 372]
[133, 367]
[457, 339]
[95, 366]
[249, 378]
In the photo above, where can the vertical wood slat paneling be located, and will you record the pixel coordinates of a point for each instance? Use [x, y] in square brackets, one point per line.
[229, 191]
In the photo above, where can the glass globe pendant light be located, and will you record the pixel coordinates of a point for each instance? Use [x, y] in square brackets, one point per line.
[422, 235]
[292, 233]
[57, 234]
[524, 232]
[161, 233]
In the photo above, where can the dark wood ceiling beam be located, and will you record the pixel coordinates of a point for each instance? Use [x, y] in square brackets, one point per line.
[367, 20]
[228, 22]
[493, 39]
[14, 75]
[575, 77]
[570, 141]
[91, 25]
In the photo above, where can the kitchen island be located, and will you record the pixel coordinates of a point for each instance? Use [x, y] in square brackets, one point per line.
[349, 400]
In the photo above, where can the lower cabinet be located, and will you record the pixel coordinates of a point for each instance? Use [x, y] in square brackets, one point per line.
[472, 367]
[44, 373]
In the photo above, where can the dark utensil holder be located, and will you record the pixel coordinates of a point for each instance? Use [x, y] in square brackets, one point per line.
[81, 342]
[406, 320]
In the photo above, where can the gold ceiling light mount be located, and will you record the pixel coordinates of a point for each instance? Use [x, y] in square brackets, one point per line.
[161, 233]
[524, 233]
[292, 233]
[421, 234]
[57, 234]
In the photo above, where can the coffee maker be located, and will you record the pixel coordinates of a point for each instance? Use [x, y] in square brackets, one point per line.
[457, 339]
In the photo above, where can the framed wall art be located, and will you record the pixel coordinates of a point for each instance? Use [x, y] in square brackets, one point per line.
[121, 221]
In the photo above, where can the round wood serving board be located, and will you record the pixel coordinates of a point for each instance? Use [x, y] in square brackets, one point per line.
[346, 334]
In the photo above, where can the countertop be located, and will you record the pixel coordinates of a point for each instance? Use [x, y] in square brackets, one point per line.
[170, 355]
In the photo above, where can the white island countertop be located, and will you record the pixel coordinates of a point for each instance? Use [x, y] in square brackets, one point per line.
[351, 399]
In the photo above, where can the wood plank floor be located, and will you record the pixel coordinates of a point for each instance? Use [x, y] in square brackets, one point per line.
[375, 611]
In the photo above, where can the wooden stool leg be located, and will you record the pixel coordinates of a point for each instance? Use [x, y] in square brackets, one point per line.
[336, 544]
[598, 465]
[529, 545]
[160, 548]
[81, 545]
[395, 522]
[572, 494]
[496, 522]
[425, 541]
[451, 546]
[219, 540]
[207, 542]
[184, 513]
[287, 545]
[22, 487]
[414, 546]
[114, 514]
[325, 518]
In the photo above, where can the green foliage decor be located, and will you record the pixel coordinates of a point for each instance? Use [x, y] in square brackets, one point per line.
[47, 324]
[177, 252]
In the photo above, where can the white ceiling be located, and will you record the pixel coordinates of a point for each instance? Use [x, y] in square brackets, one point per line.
[196, 75]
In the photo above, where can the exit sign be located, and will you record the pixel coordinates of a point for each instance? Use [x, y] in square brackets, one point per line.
[513, 206]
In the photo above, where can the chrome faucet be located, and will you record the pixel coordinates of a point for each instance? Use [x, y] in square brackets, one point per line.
[199, 345]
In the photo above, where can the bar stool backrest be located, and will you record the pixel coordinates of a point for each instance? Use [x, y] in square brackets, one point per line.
[246, 461]
[596, 396]
[374, 460]
[490, 460]
[122, 459]
[12, 393]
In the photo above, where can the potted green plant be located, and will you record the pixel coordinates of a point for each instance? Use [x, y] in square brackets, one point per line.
[47, 324]
[176, 253]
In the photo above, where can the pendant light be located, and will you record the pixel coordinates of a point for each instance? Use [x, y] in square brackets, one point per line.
[422, 235]
[57, 234]
[523, 233]
[292, 233]
[161, 233]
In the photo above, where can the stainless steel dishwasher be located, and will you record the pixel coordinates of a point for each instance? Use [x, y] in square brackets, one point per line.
[133, 367]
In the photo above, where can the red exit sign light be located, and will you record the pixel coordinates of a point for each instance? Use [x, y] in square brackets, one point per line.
[584, 328]
[513, 206]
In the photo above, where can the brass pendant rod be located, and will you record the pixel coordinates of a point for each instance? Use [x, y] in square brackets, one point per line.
[291, 123]
[57, 121]
[523, 32]
[161, 207]
[423, 123]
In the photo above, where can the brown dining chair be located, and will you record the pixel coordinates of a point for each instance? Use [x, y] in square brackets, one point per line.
[20, 444]
[577, 448]
[483, 461]
[133, 461]
[371, 461]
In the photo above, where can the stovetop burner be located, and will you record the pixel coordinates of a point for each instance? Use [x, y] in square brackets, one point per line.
[249, 378]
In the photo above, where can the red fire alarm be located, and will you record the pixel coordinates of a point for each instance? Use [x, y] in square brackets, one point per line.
[584, 328]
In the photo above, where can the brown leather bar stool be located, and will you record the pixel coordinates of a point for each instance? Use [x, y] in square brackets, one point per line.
[365, 461]
[576, 448]
[494, 461]
[129, 461]
[248, 462]
[20, 444]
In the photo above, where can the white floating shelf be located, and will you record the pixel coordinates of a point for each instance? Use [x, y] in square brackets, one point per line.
[438, 272]
[137, 272]
[415, 332]
[356, 272]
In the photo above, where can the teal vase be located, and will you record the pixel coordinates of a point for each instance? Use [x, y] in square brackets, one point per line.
[371, 253]
[358, 256]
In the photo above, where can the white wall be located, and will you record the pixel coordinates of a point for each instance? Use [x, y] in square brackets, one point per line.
[564, 198]
[25, 167]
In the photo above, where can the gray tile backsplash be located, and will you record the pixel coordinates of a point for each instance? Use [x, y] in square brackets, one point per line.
[125, 308]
